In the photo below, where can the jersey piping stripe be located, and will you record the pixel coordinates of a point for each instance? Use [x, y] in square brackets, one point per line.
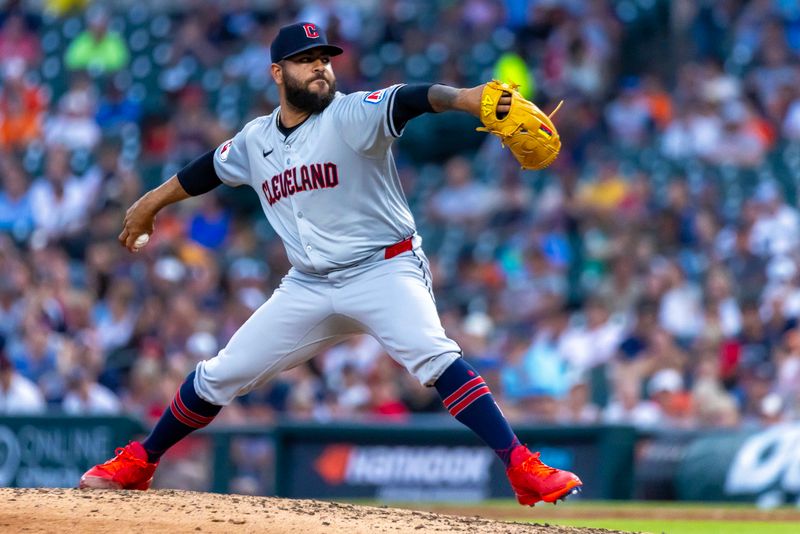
[460, 392]
[428, 283]
[390, 111]
[463, 405]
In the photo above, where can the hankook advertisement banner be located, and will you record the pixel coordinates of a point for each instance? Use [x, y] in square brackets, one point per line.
[412, 463]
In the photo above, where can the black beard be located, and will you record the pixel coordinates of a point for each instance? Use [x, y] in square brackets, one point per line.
[304, 100]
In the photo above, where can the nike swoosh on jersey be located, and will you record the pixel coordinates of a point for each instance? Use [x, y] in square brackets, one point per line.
[265, 153]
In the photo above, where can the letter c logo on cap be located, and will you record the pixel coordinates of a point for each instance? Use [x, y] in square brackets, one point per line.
[311, 31]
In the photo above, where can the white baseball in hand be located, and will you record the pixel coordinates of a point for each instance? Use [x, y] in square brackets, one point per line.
[141, 241]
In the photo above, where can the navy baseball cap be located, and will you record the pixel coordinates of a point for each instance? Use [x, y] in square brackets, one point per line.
[299, 37]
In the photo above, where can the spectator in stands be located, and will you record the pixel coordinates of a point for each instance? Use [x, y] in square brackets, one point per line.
[116, 109]
[680, 312]
[97, 49]
[753, 347]
[738, 144]
[667, 391]
[462, 200]
[386, 400]
[115, 316]
[353, 395]
[17, 41]
[635, 344]
[16, 288]
[191, 41]
[629, 117]
[35, 357]
[16, 215]
[775, 69]
[22, 107]
[628, 407]
[210, 225]
[787, 361]
[606, 191]
[324, 10]
[538, 286]
[514, 200]
[577, 407]
[59, 199]
[195, 127]
[252, 62]
[713, 405]
[114, 180]
[722, 309]
[791, 121]
[18, 395]
[777, 226]
[359, 353]
[745, 266]
[306, 394]
[621, 289]
[86, 397]
[677, 142]
[64, 7]
[74, 125]
[755, 387]
[594, 341]
[537, 367]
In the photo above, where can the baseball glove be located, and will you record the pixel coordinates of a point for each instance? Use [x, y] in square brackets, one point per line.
[525, 129]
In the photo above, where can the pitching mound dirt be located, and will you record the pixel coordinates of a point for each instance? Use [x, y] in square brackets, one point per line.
[69, 510]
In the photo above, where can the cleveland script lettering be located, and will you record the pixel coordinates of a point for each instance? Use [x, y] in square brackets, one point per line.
[299, 179]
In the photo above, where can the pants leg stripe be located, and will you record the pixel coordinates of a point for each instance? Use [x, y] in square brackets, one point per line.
[428, 283]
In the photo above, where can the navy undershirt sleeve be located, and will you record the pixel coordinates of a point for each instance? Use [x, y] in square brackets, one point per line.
[410, 101]
[199, 176]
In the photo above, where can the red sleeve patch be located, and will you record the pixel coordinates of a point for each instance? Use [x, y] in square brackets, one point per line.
[225, 150]
[375, 96]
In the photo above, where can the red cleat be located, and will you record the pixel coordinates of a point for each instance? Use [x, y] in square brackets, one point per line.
[129, 469]
[533, 481]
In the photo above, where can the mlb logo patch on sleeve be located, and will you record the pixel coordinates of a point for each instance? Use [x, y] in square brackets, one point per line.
[375, 96]
[225, 150]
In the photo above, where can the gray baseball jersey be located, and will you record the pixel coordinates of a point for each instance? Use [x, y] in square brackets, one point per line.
[330, 189]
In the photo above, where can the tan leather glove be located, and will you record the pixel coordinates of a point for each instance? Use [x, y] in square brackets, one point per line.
[525, 130]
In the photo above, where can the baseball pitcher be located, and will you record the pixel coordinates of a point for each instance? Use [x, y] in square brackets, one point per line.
[322, 166]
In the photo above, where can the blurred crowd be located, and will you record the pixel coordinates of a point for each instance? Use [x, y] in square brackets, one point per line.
[650, 276]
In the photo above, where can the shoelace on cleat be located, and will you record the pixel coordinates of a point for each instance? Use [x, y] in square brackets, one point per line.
[534, 464]
[122, 453]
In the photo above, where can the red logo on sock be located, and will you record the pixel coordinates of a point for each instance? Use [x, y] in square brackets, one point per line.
[471, 373]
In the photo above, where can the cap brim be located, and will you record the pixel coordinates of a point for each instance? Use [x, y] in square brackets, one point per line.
[332, 50]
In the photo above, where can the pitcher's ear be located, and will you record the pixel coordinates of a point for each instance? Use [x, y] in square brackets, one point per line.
[276, 69]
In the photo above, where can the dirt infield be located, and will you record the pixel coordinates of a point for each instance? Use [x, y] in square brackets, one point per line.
[627, 510]
[175, 512]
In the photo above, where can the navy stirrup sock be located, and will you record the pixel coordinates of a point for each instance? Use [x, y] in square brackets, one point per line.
[187, 413]
[467, 397]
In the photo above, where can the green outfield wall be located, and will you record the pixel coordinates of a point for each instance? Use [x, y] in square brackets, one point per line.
[436, 459]
[54, 451]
